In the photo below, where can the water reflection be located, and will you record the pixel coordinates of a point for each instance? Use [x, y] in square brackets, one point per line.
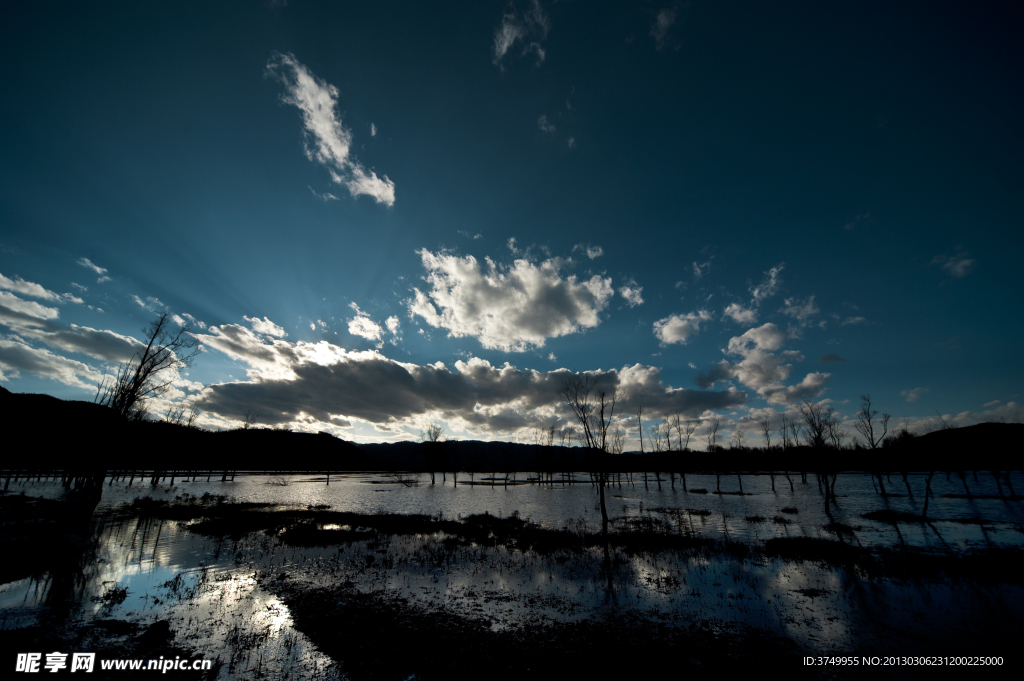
[219, 594]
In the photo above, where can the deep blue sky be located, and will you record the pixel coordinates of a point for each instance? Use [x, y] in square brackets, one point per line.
[729, 161]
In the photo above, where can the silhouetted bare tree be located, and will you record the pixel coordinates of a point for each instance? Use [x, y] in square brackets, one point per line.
[815, 423]
[151, 371]
[866, 424]
[432, 437]
[594, 413]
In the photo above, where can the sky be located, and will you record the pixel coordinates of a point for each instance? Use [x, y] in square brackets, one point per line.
[377, 216]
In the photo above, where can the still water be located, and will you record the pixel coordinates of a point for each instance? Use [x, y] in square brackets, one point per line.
[560, 503]
[210, 589]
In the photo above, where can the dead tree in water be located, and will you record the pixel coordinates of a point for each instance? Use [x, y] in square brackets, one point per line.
[766, 429]
[866, 424]
[594, 415]
[432, 438]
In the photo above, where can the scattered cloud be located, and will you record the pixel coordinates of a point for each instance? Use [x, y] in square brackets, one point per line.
[102, 272]
[747, 314]
[530, 28]
[571, 142]
[471, 236]
[661, 28]
[740, 314]
[373, 130]
[700, 269]
[150, 303]
[858, 221]
[914, 394]
[326, 196]
[764, 368]
[266, 327]
[327, 140]
[591, 251]
[678, 328]
[361, 325]
[800, 310]
[850, 321]
[831, 358]
[544, 125]
[507, 307]
[631, 292]
[769, 286]
[958, 265]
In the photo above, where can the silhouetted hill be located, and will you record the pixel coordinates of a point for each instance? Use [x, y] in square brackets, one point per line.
[70, 434]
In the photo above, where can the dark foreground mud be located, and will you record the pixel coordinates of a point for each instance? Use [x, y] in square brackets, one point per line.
[374, 636]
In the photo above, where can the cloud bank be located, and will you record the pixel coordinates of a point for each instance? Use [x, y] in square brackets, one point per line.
[294, 382]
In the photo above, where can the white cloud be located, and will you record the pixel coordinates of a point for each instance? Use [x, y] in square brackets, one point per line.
[769, 286]
[27, 308]
[571, 142]
[190, 319]
[740, 314]
[361, 325]
[88, 264]
[28, 288]
[365, 327]
[767, 337]
[544, 125]
[327, 140]
[958, 265]
[762, 367]
[700, 269]
[470, 236]
[326, 196]
[801, 311]
[914, 394]
[373, 130]
[631, 292]
[393, 325]
[508, 307]
[849, 321]
[591, 251]
[678, 328]
[150, 303]
[16, 357]
[265, 326]
[551, 357]
[312, 325]
[661, 27]
[530, 28]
